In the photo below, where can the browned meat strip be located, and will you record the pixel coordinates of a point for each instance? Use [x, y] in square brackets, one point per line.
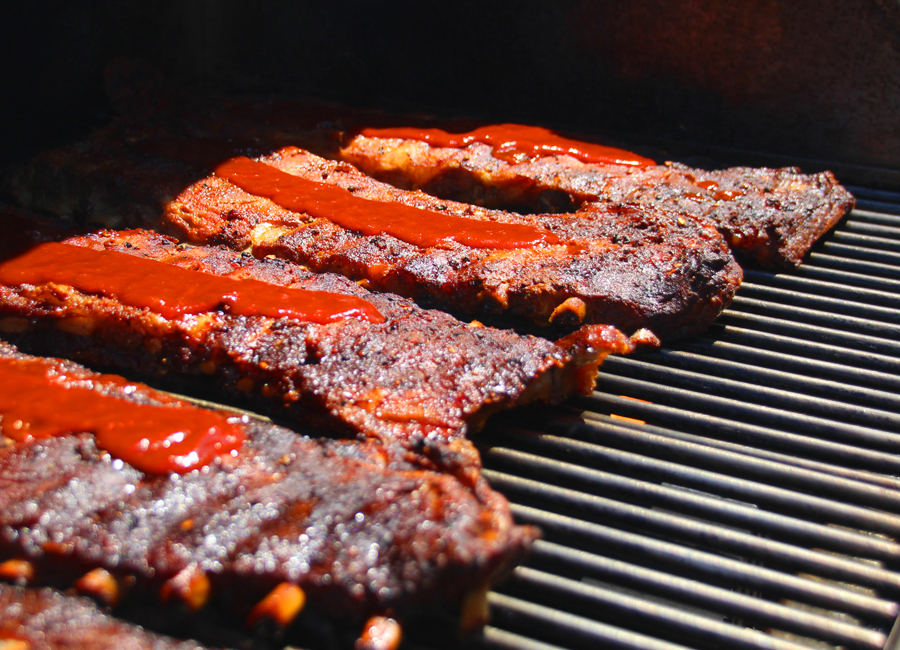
[43, 619]
[331, 524]
[620, 265]
[418, 381]
[768, 216]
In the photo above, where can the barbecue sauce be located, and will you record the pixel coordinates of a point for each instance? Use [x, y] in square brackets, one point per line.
[38, 400]
[172, 291]
[423, 228]
[516, 143]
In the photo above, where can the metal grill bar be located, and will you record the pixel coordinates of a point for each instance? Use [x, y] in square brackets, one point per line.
[813, 333]
[795, 281]
[741, 461]
[543, 622]
[873, 204]
[873, 227]
[822, 308]
[857, 266]
[748, 412]
[795, 313]
[805, 381]
[724, 428]
[690, 530]
[847, 277]
[857, 382]
[494, 638]
[653, 472]
[694, 563]
[666, 620]
[862, 253]
[849, 357]
[867, 241]
[566, 561]
[756, 387]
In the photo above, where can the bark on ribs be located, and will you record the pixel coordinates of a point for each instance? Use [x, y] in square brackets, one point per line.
[418, 382]
[358, 533]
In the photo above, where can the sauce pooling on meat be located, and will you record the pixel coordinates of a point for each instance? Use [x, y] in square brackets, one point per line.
[172, 291]
[517, 143]
[39, 400]
[422, 228]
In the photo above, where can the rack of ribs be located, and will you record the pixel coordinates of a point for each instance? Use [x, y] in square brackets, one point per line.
[770, 217]
[268, 524]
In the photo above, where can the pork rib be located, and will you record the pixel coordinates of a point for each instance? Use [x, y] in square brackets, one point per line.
[337, 524]
[768, 216]
[614, 264]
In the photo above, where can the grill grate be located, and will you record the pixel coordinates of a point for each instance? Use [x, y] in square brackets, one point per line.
[738, 490]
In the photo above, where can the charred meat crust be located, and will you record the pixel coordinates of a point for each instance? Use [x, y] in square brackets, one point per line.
[624, 265]
[43, 619]
[769, 217]
[356, 534]
[418, 382]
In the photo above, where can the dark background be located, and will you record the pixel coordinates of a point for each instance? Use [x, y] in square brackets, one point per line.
[756, 81]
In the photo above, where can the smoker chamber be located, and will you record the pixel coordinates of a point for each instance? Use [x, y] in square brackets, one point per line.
[736, 490]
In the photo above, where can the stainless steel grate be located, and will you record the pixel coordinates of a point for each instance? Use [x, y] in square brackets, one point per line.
[739, 490]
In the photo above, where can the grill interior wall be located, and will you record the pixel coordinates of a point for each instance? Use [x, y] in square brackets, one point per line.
[813, 79]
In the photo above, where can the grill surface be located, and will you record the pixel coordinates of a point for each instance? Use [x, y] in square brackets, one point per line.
[738, 490]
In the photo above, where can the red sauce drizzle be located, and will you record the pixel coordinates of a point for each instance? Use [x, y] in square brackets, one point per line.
[415, 226]
[173, 291]
[38, 400]
[517, 143]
